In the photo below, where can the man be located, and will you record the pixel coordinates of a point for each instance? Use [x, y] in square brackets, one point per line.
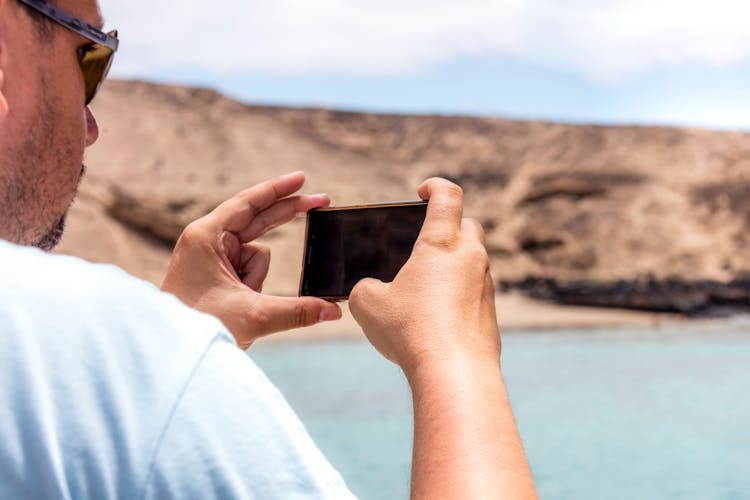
[114, 389]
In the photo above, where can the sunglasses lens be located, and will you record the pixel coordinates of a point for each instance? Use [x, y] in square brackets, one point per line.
[95, 66]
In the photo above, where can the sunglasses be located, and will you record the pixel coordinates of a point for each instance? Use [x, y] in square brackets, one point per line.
[96, 57]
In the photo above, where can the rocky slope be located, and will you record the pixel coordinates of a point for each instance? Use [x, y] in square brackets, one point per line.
[576, 213]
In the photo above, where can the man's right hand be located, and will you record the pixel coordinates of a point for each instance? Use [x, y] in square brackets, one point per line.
[437, 321]
[441, 304]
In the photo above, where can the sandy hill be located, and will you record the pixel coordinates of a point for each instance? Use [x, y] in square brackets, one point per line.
[580, 213]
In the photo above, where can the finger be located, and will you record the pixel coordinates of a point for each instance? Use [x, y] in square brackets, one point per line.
[287, 313]
[489, 289]
[365, 294]
[231, 249]
[444, 211]
[236, 213]
[256, 260]
[474, 229]
[281, 213]
[488, 297]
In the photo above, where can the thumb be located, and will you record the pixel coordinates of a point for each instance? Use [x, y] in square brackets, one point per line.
[366, 296]
[287, 313]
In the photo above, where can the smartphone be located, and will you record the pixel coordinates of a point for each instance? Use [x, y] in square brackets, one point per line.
[345, 244]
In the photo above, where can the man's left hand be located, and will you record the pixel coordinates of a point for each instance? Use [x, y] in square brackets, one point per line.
[218, 268]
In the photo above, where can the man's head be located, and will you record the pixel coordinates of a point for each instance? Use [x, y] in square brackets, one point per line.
[45, 124]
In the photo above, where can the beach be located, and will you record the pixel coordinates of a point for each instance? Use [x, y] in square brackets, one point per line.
[515, 312]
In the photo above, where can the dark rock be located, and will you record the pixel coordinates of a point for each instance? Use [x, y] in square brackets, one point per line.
[730, 196]
[162, 221]
[482, 176]
[693, 298]
[577, 185]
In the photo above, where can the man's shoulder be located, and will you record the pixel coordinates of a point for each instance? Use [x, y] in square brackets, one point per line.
[80, 295]
[62, 311]
[33, 271]
[97, 359]
[120, 390]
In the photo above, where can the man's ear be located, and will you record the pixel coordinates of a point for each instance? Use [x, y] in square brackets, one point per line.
[3, 54]
[3, 101]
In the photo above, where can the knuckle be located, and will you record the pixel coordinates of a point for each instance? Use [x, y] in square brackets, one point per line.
[302, 316]
[243, 195]
[261, 220]
[440, 240]
[192, 232]
[454, 190]
[475, 224]
[475, 247]
[245, 199]
[450, 202]
[363, 292]
[257, 319]
[478, 230]
[477, 254]
[449, 208]
[447, 190]
[359, 292]
[483, 259]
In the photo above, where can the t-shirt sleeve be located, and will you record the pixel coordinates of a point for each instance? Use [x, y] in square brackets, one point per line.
[232, 435]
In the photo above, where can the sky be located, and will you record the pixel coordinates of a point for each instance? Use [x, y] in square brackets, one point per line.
[664, 62]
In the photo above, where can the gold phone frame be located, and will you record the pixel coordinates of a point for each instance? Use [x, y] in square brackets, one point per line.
[348, 208]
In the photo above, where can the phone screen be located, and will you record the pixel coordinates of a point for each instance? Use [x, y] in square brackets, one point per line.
[346, 244]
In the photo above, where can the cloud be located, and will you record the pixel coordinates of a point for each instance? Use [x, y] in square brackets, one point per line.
[601, 40]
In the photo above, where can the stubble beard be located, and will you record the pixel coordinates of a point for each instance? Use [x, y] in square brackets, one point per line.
[33, 183]
[54, 235]
[50, 240]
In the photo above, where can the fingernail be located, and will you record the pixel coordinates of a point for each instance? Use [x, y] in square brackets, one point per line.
[330, 313]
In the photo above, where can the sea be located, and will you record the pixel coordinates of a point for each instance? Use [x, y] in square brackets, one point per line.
[603, 414]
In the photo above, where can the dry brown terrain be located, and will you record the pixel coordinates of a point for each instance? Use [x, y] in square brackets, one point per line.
[582, 204]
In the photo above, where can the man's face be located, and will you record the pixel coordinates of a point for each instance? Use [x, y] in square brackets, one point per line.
[47, 125]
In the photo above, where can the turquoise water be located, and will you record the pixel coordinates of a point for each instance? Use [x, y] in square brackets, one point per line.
[620, 414]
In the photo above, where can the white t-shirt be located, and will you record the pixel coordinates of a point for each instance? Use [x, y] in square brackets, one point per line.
[110, 388]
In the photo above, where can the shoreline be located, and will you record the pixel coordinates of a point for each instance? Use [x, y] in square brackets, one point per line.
[516, 313]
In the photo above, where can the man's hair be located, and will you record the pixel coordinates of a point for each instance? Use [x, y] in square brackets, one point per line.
[42, 24]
